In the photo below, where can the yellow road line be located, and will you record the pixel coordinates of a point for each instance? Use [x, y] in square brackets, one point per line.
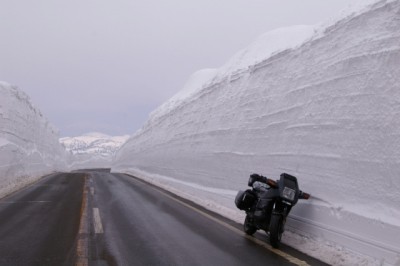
[284, 255]
[82, 245]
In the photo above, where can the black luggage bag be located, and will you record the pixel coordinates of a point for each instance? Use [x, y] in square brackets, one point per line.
[245, 199]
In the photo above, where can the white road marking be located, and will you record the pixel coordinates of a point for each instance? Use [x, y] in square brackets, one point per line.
[92, 191]
[98, 227]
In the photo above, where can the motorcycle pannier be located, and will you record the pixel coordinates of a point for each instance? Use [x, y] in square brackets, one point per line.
[245, 199]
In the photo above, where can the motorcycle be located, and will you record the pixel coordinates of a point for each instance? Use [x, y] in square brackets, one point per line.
[268, 203]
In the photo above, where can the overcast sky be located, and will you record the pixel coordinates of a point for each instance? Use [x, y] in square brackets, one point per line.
[102, 65]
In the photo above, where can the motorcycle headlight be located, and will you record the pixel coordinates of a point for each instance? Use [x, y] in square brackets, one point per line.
[289, 193]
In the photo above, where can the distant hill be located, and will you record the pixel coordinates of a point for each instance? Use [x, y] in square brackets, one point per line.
[94, 143]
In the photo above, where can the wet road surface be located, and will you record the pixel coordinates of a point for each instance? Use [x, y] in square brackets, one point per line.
[101, 218]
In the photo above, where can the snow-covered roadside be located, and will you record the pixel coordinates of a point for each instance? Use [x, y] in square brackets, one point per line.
[326, 111]
[29, 146]
[322, 244]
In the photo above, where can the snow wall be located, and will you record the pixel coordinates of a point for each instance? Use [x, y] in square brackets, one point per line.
[29, 146]
[327, 111]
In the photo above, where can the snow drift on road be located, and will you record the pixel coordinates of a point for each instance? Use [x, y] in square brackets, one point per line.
[29, 145]
[327, 111]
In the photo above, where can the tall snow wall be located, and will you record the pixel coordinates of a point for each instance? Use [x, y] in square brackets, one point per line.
[29, 146]
[327, 112]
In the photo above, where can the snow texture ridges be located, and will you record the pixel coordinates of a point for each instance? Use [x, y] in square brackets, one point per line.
[29, 145]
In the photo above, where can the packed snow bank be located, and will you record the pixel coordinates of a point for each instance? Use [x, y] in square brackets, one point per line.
[92, 150]
[196, 82]
[326, 111]
[265, 46]
[29, 145]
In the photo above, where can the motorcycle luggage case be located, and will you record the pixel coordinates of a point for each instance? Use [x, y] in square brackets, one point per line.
[245, 199]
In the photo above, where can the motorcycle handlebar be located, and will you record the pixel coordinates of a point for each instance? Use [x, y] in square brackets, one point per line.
[304, 195]
[274, 184]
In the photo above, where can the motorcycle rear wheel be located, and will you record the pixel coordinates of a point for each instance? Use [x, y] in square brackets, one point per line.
[276, 230]
[248, 226]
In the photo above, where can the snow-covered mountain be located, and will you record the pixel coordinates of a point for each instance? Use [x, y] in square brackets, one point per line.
[94, 143]
[29, 146]
[92, 150]
[324, 108]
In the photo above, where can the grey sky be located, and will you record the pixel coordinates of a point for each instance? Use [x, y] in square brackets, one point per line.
[101, 65]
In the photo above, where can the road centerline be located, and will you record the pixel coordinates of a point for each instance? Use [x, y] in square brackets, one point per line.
[98, 227]
[82, 245]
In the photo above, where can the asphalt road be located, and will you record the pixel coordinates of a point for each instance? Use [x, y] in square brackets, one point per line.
[39, 225]
[98, 218]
